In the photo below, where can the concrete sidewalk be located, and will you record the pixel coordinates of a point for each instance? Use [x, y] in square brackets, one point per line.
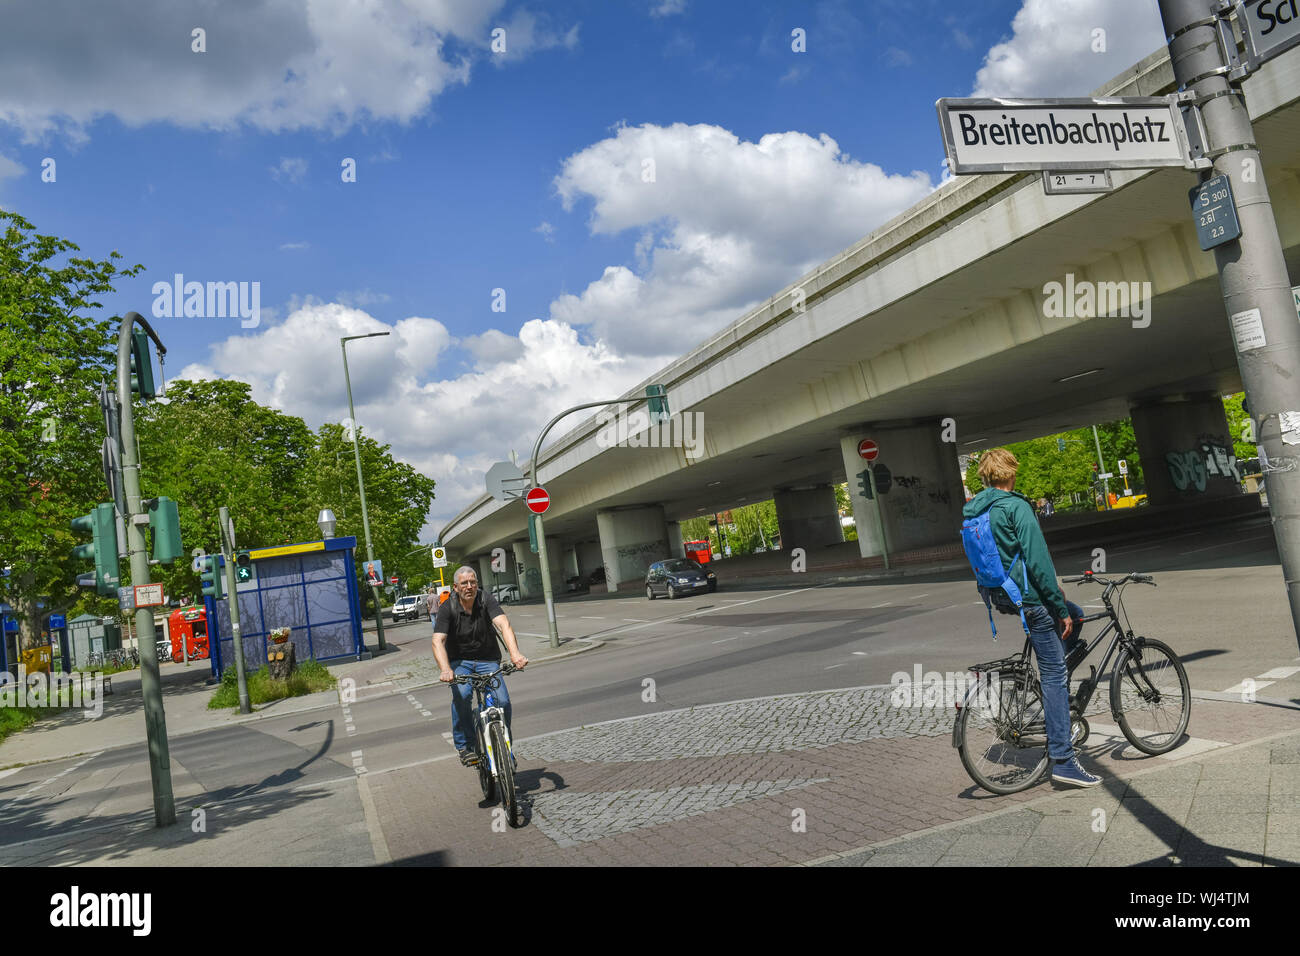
[408, 663]
[1235, 806]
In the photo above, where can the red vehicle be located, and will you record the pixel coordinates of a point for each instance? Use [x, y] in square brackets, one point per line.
[701, 551]
[188, 624]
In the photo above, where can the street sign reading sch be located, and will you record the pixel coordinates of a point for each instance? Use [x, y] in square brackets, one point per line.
[1269, 27]
[1002, 135]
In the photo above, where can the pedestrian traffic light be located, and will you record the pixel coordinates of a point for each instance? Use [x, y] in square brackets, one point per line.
[1060, 444]
[210, 575]
[657, 402]
[165, 519]
[141, 365]
[243, 567]
[102, 549]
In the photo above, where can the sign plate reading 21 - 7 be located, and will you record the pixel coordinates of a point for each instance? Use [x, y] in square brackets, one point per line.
[999, 136]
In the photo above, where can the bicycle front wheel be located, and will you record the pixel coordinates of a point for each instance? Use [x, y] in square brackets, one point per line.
[485, 781]
[1150, 696]
[505, 773]
[1002, 734]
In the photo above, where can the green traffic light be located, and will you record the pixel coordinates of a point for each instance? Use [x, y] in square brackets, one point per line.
[102, 549]
[141, 365]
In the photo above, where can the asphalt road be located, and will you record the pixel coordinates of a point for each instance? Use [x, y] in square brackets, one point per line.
[1220, 603]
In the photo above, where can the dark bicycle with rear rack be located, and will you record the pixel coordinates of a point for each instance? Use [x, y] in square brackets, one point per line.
[1001, 733]
[494, 757]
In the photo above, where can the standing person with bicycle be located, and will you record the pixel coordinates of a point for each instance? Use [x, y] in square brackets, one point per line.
[1048, 616]
[465, 642]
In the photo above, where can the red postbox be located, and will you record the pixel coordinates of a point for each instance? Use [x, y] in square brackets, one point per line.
[189, 624]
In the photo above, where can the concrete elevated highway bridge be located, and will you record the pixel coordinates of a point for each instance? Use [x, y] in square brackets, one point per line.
[968, 321]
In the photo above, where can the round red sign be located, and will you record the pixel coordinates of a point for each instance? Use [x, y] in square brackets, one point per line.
[868, 449]
[537, 500]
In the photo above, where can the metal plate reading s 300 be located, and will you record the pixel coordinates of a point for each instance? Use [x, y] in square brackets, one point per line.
[1215, 212]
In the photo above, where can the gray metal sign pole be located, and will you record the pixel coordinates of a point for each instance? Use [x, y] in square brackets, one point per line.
[1101, 470]
[1252, 270]
[155, 720]
[232, 599]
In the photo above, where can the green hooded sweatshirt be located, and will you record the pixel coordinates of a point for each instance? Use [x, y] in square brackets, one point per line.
[1016, 532]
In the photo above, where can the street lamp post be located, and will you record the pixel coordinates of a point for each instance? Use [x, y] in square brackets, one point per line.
[361, 484]
[657, 400]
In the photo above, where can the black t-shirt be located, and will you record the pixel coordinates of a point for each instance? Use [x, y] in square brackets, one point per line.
[470, 634]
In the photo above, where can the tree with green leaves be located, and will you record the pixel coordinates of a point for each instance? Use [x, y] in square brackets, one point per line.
[54, 353]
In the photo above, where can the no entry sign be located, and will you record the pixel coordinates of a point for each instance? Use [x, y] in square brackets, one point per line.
[868, 449]
[537, 500]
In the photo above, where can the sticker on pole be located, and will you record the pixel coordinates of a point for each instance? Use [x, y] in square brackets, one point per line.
[868, 449]
[1248, 330]
[537, 500]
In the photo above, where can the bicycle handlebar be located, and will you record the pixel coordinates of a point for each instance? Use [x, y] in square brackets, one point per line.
[1131, 576]
[506, 668]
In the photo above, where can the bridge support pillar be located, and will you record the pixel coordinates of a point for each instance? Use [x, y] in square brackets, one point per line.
[1186, 450]
[919, 489]
[808, 517]
[529, 568]
[674, 531]
[631, 539]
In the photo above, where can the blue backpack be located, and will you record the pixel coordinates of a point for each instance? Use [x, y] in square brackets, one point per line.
[982, 552]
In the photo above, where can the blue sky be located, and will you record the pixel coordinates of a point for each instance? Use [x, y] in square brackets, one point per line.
[523, 170]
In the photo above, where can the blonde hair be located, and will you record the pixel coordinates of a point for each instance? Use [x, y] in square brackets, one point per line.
[997, 467]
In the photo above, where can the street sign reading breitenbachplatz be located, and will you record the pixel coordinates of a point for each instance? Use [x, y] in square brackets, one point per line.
[1002, 135]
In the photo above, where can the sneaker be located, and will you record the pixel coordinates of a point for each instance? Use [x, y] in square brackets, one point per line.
[468, 758]
[1071, 774]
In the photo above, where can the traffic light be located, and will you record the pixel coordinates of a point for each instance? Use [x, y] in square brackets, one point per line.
[1060, 444]
[102, 549]
[864, 484]
[243, 567]
[210, 575]
[657, 402]
[165, 519]
[141, 365]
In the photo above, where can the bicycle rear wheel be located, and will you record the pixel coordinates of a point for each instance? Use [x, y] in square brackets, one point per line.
[1150, 696]
[505, 773]
[1002, 734]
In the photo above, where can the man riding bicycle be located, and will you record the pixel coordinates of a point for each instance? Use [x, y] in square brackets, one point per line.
[1049, 617]
[465, 642]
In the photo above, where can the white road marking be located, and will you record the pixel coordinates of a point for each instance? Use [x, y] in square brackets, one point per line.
[425, 713]
[886, 604]
[860, 653]
[377, 842]
[356, 753]
[1222, 544]
[724, 640]
[833, 666]
[634, 620]
[591, 617]
[1280, 673]
[1240, 688]
[34, 787]
[1190, 747]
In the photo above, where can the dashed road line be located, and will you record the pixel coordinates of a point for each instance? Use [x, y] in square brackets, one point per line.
[1263, 680]
[32, 789]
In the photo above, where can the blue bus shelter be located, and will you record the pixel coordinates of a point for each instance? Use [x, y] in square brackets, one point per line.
[310, 588]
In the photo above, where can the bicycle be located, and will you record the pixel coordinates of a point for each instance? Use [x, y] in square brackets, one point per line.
[1002, 738]
[493, 754]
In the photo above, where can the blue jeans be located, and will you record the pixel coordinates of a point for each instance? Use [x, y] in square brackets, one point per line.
[1045, 633]
[462, 701]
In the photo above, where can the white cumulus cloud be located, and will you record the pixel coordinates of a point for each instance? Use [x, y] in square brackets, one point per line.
[723, 223]
[1069, 47]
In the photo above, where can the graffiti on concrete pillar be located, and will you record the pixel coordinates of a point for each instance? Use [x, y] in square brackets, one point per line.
[1211, 457]
[915, 502]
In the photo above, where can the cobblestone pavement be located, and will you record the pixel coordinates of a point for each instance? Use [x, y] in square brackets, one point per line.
[779, 780]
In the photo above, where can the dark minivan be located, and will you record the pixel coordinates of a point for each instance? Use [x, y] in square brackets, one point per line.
[678, 576]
